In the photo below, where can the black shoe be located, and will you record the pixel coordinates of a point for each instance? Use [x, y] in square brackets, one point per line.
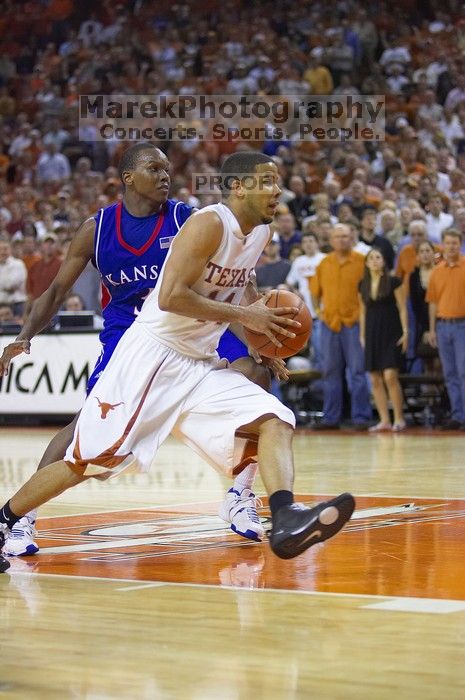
[325, 426]
[451, 425]
[358, 427]
[296, 528]
[4, 563]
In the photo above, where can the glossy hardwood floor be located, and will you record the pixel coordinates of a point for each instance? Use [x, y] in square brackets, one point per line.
[141, 591]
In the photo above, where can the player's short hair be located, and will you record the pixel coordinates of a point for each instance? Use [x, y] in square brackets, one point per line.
[240, 163]
[130, 157]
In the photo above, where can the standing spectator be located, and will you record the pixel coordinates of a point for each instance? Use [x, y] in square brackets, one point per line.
[13, 276]
[446, 300]
[302, 270]
[368, 236]
[42, 274]
[288, 234]
[274, 272]
[334, 290]
[384, 336]
[436, 219]
[407, 258]
[418, 284]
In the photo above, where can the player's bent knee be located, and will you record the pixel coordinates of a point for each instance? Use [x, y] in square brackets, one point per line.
[258, 374]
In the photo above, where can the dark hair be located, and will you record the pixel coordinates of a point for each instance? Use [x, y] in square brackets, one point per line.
[131, 155]
[240, 163]
[384, 283]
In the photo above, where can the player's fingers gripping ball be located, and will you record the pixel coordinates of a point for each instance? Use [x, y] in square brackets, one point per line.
[290, 346]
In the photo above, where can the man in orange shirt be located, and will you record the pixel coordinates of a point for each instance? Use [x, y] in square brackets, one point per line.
[446, 297]
[334, 290]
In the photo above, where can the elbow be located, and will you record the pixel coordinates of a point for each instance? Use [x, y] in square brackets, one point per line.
[169, 299]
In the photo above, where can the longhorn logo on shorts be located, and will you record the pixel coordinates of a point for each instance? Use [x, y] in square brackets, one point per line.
[107, 407]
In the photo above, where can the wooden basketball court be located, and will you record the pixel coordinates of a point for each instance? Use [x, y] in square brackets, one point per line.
[141, 592]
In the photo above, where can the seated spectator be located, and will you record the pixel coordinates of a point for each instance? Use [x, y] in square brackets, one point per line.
[368, 236]
[288, 234]
[356, 198]
[389, 227]
[13, 275]
[75, 303]
[301, 205]
[44, 271]
[274, 272]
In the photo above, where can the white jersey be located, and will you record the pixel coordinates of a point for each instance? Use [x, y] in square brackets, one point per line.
[224, 279]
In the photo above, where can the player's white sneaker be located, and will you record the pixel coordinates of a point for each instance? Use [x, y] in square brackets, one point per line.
[20, 541]
[240, 509]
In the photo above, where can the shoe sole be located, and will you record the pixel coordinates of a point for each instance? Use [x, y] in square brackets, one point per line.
[248, 534]
[317, 531]
[28, 552]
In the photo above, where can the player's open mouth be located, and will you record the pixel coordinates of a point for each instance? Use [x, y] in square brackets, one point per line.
[164, 187]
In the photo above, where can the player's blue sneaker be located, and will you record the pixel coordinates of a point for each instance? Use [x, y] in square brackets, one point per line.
[240, 510]
[296, 527]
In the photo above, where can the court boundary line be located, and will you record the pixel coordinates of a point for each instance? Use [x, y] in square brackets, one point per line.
[179, 584]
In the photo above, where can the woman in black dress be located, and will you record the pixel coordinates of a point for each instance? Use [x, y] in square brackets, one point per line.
[384, 336]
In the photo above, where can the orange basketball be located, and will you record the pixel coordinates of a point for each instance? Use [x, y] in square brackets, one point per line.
[290, 346]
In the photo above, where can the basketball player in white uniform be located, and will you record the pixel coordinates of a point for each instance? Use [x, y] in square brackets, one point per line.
[164, 376]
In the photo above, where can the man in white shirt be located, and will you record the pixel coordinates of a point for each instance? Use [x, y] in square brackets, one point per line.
[13, 276]
[436, 219]
[302, 269]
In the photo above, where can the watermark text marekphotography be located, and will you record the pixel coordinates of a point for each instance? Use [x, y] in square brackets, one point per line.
[232, 118]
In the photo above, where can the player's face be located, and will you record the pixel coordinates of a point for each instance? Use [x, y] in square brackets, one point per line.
[151, 178]
[263, 199]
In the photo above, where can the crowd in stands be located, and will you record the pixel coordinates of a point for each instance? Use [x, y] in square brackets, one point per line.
[398, 195]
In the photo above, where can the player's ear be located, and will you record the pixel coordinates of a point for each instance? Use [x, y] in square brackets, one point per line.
[127, 177]
[237, 188]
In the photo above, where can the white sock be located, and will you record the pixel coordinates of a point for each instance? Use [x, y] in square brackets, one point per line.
[245, 479]
[32, 515]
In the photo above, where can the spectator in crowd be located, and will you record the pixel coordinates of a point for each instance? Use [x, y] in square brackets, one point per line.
[75, 303]
[302, 269]
[273, 273]
[13, 276]
[418, 284]
[407, 258]
[288, 234]
[6, 314]
[301, 205]
[44, 271]
[446, 299]
[334, 289]
[384, 337]
[389, 227]
[52, 166]
[436, 219]
[368, 236]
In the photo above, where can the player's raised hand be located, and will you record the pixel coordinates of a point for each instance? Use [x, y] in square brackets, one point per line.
[11, 351]
[270, 321]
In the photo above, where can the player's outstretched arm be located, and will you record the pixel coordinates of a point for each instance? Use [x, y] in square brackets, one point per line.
[46, 306]
[192, 248]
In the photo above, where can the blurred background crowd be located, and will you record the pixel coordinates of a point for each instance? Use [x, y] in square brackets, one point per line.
[395, 195]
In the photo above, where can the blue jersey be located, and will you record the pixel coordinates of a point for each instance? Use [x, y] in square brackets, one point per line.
[129, 252]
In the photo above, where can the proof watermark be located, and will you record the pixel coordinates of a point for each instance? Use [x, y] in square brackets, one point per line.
[235, 118]
[221, 183]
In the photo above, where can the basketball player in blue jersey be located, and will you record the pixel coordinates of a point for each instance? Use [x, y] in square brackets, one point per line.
[128, 243]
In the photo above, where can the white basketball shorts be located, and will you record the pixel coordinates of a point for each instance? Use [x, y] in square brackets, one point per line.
[148, 391]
